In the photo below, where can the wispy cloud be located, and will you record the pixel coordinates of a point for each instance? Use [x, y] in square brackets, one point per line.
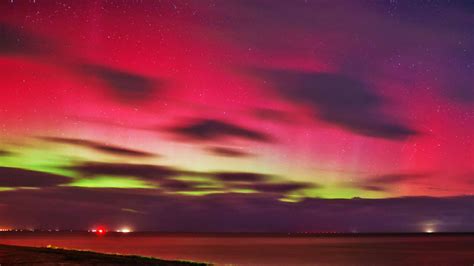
[216, 130]
[102, 147]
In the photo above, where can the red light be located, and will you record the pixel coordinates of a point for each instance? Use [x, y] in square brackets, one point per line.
[100, 231]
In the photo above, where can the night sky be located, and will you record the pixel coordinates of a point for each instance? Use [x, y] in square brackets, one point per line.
[243, 115]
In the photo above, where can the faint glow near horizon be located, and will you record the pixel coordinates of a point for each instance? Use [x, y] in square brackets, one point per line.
[429, 230]
[124, 230]
[430, 227]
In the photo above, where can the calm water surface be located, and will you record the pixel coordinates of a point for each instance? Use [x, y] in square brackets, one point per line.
[268, 250]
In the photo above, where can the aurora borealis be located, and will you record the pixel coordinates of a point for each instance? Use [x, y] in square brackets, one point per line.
[237, 115]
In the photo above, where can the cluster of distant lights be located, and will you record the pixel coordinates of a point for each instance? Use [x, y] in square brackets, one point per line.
[32, 230]
[99, 230]
[103, 231]
[24, 230]
[125, 230]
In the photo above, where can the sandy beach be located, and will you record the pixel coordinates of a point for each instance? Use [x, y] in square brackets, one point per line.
[16, 255]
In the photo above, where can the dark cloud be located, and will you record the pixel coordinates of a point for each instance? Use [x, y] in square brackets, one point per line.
[387, 182]
[143, 171]
[114, 150]
[419, 41]
[121, 151]
[161, 176]
[232, 212]
[166, 178]
[216, 130]
[5, 153]
[373, 188]
[281, 188]
[339, 100]
[241, 177]
[228, 152]
[262, 183]
[16, 41]
[80, 208]
[127, 86]
[172, 185]
[17, 177]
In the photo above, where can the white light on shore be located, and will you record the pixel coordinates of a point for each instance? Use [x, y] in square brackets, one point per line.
[429, 230]
[430, 227]
[124, 230]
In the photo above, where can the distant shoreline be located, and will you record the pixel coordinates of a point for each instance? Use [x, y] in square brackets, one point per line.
[246, 234]
[52, 255]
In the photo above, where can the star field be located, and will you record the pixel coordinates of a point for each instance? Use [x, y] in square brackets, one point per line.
[299, 110]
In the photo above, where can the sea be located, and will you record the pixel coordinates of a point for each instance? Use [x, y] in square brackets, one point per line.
[267, 249]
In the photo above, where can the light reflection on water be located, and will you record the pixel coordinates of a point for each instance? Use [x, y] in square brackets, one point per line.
[270, 250]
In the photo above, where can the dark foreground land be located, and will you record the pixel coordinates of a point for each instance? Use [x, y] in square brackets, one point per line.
[15, 255]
